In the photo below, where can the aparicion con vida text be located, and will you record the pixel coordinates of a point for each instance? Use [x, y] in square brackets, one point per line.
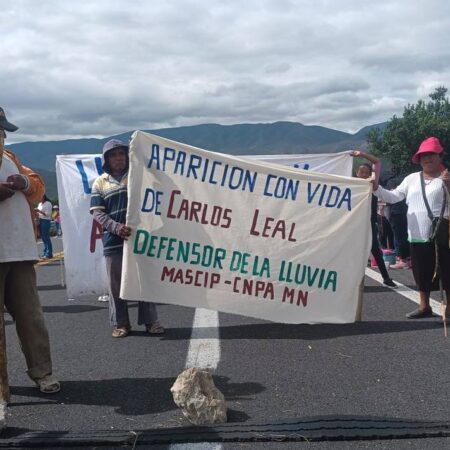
[249, 274]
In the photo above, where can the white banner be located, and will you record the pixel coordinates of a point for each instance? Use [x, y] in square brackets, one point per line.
[85, 270]
[337, 163]
[243, 237]
[83, 250]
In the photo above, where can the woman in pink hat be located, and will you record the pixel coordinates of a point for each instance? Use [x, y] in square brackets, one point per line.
[427, 196]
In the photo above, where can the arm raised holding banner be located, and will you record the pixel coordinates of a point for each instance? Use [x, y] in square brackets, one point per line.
[376, 163]
[365, 171]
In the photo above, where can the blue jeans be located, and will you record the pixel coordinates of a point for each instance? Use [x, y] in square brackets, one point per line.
[44, 227]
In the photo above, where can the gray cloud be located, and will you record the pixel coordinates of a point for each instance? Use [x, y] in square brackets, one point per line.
[106, 67]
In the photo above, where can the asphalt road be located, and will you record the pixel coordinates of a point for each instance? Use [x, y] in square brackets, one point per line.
[385, 367]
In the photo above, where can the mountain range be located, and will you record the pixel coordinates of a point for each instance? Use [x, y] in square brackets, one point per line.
[240, 139]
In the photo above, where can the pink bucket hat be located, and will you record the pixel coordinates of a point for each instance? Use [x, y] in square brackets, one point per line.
[430, 145]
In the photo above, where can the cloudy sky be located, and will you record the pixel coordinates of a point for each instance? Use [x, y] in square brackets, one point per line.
[105, 67]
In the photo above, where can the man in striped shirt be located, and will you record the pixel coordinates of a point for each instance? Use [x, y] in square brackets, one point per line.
[109, 200]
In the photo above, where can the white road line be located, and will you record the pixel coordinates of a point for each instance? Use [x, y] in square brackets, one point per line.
[407, 292]
[204, 353]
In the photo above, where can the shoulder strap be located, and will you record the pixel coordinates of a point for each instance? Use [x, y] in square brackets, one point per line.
[422, 184]
[430, 214]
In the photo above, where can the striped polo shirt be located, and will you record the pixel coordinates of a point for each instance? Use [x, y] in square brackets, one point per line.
[110, 196]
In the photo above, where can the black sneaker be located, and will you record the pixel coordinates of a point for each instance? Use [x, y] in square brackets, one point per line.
[389, 282]
[420, 313]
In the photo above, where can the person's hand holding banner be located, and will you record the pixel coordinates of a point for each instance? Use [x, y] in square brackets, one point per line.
[124, 231]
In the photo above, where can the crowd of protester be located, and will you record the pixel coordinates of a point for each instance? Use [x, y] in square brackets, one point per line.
[412, 207]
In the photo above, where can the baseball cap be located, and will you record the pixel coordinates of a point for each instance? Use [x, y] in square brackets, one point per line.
[4, 124]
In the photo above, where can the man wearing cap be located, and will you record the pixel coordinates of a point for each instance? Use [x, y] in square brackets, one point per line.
[431, 185]
[109, 199]
[19, 186]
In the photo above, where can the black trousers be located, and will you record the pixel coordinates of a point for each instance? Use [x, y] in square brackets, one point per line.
[399, 226]
[377, 253]
[423, 261]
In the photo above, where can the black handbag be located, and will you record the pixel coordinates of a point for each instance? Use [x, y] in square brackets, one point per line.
[439, 231]
[439, 225]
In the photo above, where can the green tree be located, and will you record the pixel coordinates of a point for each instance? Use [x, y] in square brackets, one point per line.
[402, 136]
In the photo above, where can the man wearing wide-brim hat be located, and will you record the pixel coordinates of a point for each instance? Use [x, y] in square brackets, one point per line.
[19, 186]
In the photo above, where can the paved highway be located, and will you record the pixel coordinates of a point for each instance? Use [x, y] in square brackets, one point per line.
[385, 368]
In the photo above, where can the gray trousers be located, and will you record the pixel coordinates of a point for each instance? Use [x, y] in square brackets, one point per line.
[19, 295]
[118, 308]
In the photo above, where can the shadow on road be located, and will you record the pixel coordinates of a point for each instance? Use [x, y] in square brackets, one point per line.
[132, 396]
[71, 309]
[305, 332]
[317, 428]
[50, 287]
